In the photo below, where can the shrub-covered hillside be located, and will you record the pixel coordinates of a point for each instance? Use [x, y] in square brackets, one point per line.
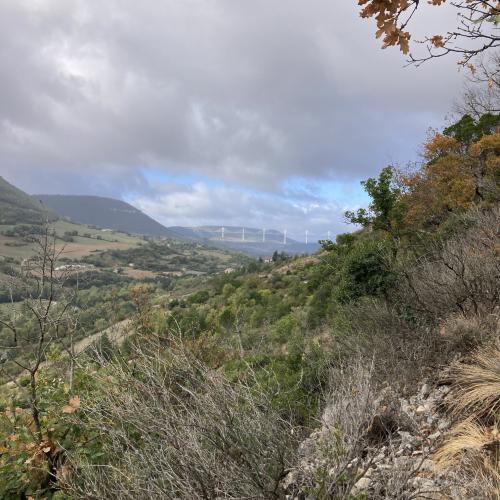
[297, 377]
[18, 207]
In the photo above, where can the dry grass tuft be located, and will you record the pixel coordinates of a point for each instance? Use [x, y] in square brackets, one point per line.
[476, 385]
[471, 452]
[469, 442]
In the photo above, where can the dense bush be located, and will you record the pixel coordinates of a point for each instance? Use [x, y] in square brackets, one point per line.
[194, 434]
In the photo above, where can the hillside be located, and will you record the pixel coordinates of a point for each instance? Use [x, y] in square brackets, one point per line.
[368, 370]
[17, 207]
[248, 240]
[106, 213]
[21, 217]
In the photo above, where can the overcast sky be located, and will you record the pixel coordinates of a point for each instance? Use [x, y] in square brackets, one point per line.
[255, 112]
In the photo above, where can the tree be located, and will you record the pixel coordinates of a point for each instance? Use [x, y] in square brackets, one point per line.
[45, 319]
[468, 130]
[475, 33]
[461, 170]
[482, 89]
[382, 211]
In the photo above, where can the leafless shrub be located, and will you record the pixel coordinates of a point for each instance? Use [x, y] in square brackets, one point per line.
[326, 466]
[172, 428]
[474, 483]
[402, 354]
[459, 331]
[401, 477]
[330, 464]
[459, 275]
[46, 304]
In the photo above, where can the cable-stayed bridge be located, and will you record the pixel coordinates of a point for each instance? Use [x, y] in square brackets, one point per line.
[256, 235]
[255, 241]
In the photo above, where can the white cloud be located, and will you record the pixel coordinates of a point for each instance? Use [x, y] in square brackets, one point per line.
[200, 204]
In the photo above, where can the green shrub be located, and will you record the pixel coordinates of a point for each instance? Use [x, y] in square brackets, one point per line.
[200, 297]
[365, 271]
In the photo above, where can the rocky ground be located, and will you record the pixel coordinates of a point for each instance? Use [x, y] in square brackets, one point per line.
[394, 458]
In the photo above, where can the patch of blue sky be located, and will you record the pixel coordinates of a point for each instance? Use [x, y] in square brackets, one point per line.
[342, 192]
[155, 176]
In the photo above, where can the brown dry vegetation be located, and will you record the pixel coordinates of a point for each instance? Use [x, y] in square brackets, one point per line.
[201, 436]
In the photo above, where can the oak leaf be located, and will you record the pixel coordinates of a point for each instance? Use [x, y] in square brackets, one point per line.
[437, 41]
[73, 405]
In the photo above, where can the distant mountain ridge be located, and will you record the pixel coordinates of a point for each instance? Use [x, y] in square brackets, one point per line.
[18, 207]
[106, 213]
[109, 213]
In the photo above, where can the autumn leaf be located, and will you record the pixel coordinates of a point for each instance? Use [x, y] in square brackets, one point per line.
[404, 42]
[437, 41]
[73, 405]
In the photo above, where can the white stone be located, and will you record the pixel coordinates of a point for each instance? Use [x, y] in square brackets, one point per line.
[362, 484]
[369, 473]
[423, 483]
[428, 465]
[445, 389]
[435, 436]
[425, 391]
[443, 425]
[420, 410]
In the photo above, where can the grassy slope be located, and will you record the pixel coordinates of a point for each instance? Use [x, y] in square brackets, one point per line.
[19, 207]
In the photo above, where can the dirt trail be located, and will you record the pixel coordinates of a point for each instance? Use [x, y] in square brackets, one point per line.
[116, 334]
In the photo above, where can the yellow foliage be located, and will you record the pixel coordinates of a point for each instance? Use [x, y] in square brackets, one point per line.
[477, 384]
[440, 145]
[453, 179]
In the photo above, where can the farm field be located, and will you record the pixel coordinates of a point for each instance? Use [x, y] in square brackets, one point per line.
[86, 241]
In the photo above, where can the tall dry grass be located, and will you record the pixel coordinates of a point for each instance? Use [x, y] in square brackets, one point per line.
[476, 385]
[471, 450]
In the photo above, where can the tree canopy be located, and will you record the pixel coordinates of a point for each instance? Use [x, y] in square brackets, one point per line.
[460, 169]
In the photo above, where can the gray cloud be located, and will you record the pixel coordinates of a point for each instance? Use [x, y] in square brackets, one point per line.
[92, 94]
[176, 204]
